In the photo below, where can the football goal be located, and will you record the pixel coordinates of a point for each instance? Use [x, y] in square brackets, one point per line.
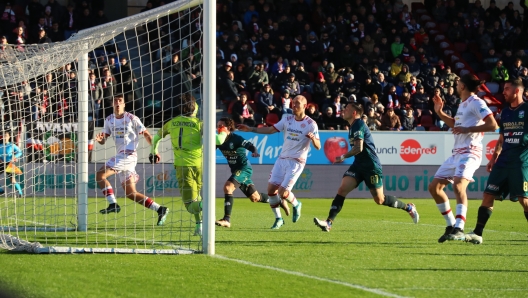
[57, 97]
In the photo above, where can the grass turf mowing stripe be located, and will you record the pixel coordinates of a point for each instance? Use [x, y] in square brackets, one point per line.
[346, 284]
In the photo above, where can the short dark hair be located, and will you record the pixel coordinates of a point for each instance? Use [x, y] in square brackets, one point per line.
[471, 81]
[356, 106]
[517, 83]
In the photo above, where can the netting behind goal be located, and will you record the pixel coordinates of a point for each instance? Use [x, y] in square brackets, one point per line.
[152, 59]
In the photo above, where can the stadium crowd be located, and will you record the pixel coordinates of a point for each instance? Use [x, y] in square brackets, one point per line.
[387, 56]
[390, 58]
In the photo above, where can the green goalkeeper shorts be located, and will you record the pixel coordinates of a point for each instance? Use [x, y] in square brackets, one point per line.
[189, 181]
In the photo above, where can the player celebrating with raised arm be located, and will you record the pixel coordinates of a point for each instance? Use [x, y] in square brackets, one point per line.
[125, 128]
[366, 167]
[234, 147]
[9, 153]
[185, 133]
[299, 131]
[472, 119]
[508, 166]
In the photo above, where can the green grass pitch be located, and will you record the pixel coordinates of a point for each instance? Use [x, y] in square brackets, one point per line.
[372, 251]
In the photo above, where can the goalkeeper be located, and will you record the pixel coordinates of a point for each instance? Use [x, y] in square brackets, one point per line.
[234, 148]
[9, 153]
[185, 132]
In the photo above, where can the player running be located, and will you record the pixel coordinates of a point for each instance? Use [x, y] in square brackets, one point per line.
[366, 167]
[508, 166]
[471, 121]
[234, 147]
[125, 128]
[185, 133]
[299, 131]
[9, 153]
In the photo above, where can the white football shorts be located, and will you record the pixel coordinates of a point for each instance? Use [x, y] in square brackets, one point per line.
[459, 165]
[285, 173]
[125, 166]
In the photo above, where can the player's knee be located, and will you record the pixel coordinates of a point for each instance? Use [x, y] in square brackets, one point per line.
[194, 207]
[378, 200]
[488, 200]
[229, 188]
[254, 198]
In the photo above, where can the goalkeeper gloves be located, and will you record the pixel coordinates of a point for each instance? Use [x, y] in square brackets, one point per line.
[154, 158]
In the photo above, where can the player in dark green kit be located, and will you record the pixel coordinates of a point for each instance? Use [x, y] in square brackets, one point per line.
[234, 148]
[508, 166]
[366, 167]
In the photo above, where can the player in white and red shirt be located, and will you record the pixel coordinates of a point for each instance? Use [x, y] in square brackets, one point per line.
[472, 119]
[125, 129]
[299, 131]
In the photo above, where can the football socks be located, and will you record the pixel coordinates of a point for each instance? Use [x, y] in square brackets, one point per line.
[482, 218]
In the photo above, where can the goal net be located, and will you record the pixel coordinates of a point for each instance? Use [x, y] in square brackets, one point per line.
[55, 98]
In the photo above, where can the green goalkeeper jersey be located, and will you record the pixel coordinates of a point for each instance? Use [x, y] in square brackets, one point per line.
[186, 138]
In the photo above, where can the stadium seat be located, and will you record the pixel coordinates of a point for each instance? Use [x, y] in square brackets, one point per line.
[277, 97]
[256, 96]
[443, 27]
[230, 108]
[425, 18]
[430, 25]
[434, 128]
[312, 77]
[499, 97]
[419, 128]
[253, 105]
[460, 47]
[427, 121]
[484, 76]
[439, 37]
[493, 87]
[271, 119]
[308, 96]
[464, 72]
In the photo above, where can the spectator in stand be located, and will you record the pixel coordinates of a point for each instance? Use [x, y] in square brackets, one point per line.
[373, 119]
[336, 104]
[242, 112]
[452, 101]
[499, 74]
[8, 19]
[439, 12]
[396, 47]
[331, 75]
[230, 92]
[391, 98]
[404, 75]
[431, 80]
[303, 78]
[375, 104]
[85, 19]
[18, 37]
[390, 121]
[286, 102]
[55, 33]
[108, 83]
[69, 22]
[414, 68]
[337, 86]
[329, 120]
[524, 78]
[408, 122]
[351, 87]
[450, 77]
[42, 37]
[266, 103]
[313, 112]
[395, 69]
[257, 78]
[292, 85]
[95, 96]
[420, 101]
[240, 78]
[34, 10]
[321, 94]
[456, 32]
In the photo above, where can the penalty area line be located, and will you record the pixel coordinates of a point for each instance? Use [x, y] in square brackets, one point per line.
[300, 274]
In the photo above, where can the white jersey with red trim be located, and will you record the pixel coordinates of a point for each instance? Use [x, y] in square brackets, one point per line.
[125, 131]
[296, 144]
[471, 112]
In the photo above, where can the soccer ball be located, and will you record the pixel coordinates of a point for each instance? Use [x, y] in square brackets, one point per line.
[334, 147]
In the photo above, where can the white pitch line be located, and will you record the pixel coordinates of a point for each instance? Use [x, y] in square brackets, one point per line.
[342, 283]
[464, 289]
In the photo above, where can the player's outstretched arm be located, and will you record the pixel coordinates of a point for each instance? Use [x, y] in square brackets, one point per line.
[260, 130]
[148, 137]
[438, 108]
[356, 149]
[101, 138]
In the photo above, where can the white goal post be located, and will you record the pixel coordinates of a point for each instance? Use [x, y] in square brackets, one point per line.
[51, 202]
